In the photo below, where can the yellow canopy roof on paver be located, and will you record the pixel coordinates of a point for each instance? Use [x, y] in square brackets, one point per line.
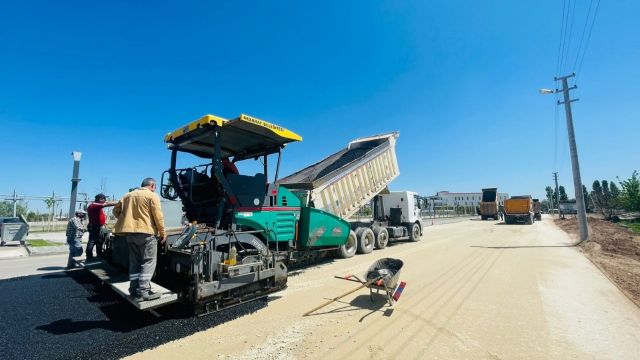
[242, 137]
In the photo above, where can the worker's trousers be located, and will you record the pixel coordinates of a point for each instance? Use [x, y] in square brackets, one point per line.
[75, 249]
[94, 240]
[143, 250]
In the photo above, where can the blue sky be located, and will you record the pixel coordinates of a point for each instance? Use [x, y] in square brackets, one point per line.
[458, 79]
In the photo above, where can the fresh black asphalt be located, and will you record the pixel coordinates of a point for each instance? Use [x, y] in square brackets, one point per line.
[71, 315]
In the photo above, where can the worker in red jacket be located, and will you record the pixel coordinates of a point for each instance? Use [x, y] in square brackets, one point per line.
[97, 220]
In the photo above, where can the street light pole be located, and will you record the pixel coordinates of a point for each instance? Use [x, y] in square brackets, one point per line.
[577, 181]
[74, 182]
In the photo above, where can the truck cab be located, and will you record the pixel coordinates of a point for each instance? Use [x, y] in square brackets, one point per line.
[403, 207]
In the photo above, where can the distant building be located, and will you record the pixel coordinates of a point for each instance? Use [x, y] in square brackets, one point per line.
[445, 198]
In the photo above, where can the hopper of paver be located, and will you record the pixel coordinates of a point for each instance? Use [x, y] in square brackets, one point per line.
[345, 181]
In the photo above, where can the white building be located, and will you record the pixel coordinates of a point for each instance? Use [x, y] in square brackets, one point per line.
[445, 198]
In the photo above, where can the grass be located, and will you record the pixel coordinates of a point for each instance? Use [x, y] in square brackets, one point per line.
[41, 242]
[633, 225]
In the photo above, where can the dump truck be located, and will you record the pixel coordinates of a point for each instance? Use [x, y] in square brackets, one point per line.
[355, 176]
[489, 204]
[537, 209]
[519, 209]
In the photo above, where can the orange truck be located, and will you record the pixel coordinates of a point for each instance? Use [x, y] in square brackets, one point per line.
[519, 208]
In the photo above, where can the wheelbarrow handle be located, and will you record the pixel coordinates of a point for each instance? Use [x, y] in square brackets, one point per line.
[368, 283]
[350, 278]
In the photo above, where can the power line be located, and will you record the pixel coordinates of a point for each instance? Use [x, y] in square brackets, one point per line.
[586, 46]
[584, 30]
[561, 42]
[568, 35]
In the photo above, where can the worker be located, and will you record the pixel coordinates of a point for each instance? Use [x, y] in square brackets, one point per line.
[75, 230]
[97, 220]
[140, 220]
[229, 167]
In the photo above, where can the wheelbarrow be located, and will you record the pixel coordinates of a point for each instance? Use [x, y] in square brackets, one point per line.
[383, 275]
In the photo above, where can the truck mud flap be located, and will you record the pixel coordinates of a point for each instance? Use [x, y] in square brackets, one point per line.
[119, 282]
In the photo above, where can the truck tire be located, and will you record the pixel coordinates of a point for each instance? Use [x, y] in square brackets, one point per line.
[506, 219]
[482, 217]
[530, 220]
[366, 240]
[382, 237]
[349, 249]
[414, 232]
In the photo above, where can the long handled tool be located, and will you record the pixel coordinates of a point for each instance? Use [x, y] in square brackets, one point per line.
[366, 284]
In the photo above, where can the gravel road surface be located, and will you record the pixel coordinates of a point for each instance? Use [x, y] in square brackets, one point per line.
[475, 290]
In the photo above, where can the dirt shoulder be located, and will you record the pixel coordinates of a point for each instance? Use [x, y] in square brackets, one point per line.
[614, 249]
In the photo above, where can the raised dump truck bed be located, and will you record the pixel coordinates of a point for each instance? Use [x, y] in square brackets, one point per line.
[345, 181]
[489, 204]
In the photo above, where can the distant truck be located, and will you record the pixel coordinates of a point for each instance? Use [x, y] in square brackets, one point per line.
[519, 208]
[537, 209]
[489, 204]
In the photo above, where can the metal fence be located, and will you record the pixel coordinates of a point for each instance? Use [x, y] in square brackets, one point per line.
[44, 211]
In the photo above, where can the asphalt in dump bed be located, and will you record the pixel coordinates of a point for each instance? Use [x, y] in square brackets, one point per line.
[72, 316]
[330, 164]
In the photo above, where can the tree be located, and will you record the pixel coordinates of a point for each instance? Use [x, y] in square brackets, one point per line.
[6, 208]
[549, 191]
[32, 216]
[563, 194]
[605, 197]
[630, 195]
[51, 205]
[587, 197]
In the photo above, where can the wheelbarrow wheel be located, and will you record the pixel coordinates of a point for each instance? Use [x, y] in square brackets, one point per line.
[349, 249]
[366, 241]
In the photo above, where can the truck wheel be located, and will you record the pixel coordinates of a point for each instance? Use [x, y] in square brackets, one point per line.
[483, 217]
[382, 237]
[414, 232]
[349, 249]
[366, 240]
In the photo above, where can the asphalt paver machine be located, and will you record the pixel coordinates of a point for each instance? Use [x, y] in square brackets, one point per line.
[238, 229]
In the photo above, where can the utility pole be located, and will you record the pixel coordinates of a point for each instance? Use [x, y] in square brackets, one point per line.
[14, 198]
[555, 177]
[575, 165]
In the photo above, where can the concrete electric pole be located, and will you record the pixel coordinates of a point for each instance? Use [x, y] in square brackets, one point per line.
[575, 165]
[74, 182]
[555, 177]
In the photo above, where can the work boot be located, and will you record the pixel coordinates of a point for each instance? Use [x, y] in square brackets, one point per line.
[146, 296]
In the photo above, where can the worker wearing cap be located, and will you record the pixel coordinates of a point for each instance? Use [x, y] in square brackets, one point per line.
[75, 230]
[97, 220]
[140, 220]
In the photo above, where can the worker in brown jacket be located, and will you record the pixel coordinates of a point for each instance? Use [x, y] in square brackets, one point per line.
[140, 220]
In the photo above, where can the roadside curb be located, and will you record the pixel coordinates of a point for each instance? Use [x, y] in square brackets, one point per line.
[14, 253]
[46, 250]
